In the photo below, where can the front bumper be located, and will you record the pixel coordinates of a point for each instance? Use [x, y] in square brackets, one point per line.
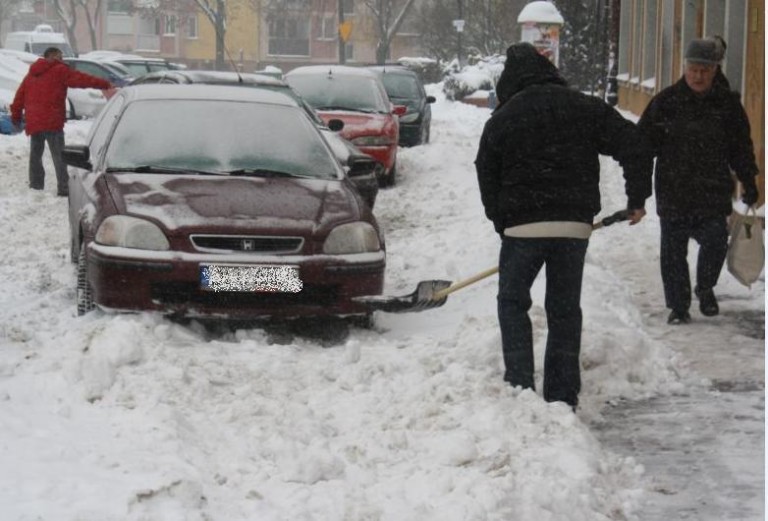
[386, 155]
[124, 279]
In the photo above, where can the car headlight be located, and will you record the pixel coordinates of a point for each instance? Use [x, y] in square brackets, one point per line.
[410, 118]
[372, 141]
[357, 237]
[130, 232]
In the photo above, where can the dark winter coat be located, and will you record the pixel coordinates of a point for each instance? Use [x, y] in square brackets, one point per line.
[538, 158]
[697, 140]
[42, 95]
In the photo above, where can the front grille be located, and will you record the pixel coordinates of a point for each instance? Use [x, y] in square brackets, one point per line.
[246, 243]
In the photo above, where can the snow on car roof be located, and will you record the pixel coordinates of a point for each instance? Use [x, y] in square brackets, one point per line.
[338, 70]
[204, 91]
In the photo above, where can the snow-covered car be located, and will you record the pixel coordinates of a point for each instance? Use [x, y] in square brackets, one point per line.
[357, 98]
[346, 152]
[247, 216]
[405, 88]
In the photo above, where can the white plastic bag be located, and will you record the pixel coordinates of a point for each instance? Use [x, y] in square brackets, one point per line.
[746, 254]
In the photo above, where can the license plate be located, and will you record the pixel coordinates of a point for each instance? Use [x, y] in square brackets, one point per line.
[271, 279]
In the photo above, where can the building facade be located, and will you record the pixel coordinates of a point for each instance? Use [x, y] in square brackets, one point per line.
[653, 35]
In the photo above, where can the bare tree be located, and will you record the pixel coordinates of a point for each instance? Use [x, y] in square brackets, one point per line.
[388, 16]
[66, 11]
[490, 26]
[8, 8]
[92, 10]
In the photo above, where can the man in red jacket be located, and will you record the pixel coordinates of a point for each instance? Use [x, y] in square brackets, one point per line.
[42, 98]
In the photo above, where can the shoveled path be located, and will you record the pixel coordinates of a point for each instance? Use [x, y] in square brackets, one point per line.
[703, 450]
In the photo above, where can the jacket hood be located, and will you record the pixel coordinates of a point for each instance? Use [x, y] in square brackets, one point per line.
[41, 66]
[524, 67]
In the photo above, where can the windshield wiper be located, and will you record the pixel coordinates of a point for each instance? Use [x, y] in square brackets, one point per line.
[351, 109]
[261, 172]
[150, 169]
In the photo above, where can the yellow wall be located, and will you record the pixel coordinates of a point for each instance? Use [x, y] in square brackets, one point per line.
[242, 33]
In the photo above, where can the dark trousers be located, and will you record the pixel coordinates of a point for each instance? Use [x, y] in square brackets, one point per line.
[712, 235]
[519, 263]
[55, 142]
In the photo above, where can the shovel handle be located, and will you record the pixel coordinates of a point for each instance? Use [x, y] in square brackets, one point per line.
[621, 215]
[466, 282]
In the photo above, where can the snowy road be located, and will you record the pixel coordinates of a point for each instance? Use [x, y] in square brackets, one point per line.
[135, 418]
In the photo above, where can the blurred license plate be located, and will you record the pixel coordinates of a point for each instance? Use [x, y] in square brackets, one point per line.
[228, 277]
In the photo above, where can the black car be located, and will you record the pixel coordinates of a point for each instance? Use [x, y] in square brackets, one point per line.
[405, 88]
[346, 152]
[114, 73]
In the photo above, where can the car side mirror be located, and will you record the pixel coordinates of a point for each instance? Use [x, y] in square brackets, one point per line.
[361, 165]
[431, 99]
[335, 125]
[400, 110]
[78, 156]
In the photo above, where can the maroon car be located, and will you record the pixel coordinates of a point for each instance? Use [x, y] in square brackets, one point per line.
[219, 202]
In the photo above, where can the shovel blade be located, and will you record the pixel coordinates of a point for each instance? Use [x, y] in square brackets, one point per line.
[420, 300]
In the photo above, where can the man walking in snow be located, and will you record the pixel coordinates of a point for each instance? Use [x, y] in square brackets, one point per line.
[538, 171]
[699, 132]
[41, 98]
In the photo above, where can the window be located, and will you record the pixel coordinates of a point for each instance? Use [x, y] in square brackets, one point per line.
[170, 25]
[626, 35]
[649, 42]
[289, 36]
[192, 27]
[119, 6]
[349, 7]
[328, 27]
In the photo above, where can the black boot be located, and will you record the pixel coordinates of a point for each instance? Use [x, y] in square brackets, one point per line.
[679, 316]
[707, 302]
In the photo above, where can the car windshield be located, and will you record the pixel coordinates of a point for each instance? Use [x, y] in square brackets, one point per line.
[339, 92]
[401, 86]
[219, 136]
[118, 69]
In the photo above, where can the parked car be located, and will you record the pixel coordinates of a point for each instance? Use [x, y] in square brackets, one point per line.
[357, 98]
[118, 75]
[404, 87]
[138, 65]
[246, 216]
[346, 152]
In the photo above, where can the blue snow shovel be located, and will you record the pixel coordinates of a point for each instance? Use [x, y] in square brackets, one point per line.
[432, 294]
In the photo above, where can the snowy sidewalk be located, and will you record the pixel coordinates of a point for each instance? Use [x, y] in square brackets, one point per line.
[703, 449]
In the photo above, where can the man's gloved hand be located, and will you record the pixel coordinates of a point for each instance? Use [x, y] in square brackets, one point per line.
[750, 195]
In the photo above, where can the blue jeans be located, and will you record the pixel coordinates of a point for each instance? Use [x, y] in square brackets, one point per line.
[712, 235]
[55, 142]
[519, 263]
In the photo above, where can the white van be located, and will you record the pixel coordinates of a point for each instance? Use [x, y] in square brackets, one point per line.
[37, 41]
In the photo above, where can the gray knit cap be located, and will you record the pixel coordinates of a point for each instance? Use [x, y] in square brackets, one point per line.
[704, 51]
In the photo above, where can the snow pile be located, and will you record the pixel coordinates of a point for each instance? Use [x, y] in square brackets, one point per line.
[134, 417]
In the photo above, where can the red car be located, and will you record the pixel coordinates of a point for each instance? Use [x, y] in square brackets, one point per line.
[217, 202]
[357, 98]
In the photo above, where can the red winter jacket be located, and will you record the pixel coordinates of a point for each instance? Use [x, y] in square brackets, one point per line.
[42, 95]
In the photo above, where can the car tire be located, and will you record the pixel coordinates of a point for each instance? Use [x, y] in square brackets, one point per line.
[84, 295]
[425, 140]
[389, 180]
[366, 321]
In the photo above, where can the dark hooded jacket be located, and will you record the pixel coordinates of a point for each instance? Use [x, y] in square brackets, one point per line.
[538, 158]
[697, 141]
[42, 95]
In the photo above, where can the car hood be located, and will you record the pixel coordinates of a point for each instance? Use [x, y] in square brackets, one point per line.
[190, 203]
[356, 123]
